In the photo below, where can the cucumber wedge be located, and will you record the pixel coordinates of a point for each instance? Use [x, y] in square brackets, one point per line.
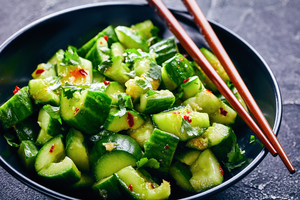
[206, 171]
[86, 110]
[16, 109]
[44, 70]
[164, 49]
[52, 151]
[171, 121]
[138, 188]
[108, 188]
[77, 150]
[113, 153]
[64, 172]
[27, 152]
[181, 174]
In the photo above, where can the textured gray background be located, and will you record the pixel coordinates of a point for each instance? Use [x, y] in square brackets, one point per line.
[272, 27]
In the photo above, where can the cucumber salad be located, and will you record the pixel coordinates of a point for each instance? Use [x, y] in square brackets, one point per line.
[125, 114]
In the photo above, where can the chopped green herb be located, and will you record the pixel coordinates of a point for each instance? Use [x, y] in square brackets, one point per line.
[69, 91]
[252, 139]
[235, 154]
[54, 82]
[154, 71]
[144, 84]
[151, 92]
[53, 111]
[70, 57]
[128, 102]
[105, 65]
[10, 140]
[186, 126]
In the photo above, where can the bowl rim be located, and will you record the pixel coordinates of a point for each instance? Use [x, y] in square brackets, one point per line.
[278, 102]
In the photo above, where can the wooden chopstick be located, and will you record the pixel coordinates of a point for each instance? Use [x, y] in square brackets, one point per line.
[236, 79]
[199, 58]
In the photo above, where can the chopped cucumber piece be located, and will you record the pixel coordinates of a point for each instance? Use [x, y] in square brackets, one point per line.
[129, 120]
[44, 70]
[138, 188]
[190, 87]
[176, 70]
[64, 172]
[45, 91]
[164, 49]
[117, 49]
[99, 53]
[144, 28]
[27, 152]
[52, 151]
[108, 188]
[131, 38]
[181, 175]
[113, 153]
[27, 129]
[113, 90]
[161, 146]
[171, 121]
[16, 109]
[82, 110]
[206, 171]
[143, 133]
[77, 150]
[186, 155]
[117, 70]
[155, 101]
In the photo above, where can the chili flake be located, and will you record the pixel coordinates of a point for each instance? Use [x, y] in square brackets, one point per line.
[223, 112]
[186, 80]
[76, 111]
[188, 111]
[208, 91]
[105, 37]
[130, 119]
[221, 170]
[187, 118]
[17, 89]
[39, 71]
[51, 149]
[167, 146]
[106, 82]
[130, 187]
[83, 72]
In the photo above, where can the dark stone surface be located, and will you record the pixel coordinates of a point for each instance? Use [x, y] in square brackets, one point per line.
[272, 27]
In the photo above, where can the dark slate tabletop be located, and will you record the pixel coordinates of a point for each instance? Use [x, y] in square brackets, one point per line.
[272, 27]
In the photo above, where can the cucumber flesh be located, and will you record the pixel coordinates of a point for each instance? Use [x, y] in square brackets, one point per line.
[77, 150]
[138, 188]
[206, 172]
[64, 172]
[44, 70]
[52, 151]
[181, 174]
[108, 188]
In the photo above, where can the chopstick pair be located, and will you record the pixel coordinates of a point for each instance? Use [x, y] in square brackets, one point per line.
[273, 146]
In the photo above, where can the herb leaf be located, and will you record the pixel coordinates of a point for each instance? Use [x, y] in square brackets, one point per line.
[9, 139]
[70, 57]
[154, 71]
[151, 92]
[128, 102]
[105, 65]
[143, 83]
[145, 162]
[53, 111]
[252, 139]
[69, 91]
[124, 102]
[54, 82]
[186, 126]
[235, 154]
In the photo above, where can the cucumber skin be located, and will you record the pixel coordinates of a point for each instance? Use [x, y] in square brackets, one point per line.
[16, 109]
[28, 152]
[161, 146]
[108, 188]
[165, 49]
[27, 129]
[86, 121]
[182, 175]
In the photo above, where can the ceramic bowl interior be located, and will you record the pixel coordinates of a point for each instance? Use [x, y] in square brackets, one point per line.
[37, 42]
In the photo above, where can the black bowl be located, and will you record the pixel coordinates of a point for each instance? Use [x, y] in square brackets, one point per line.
[37, 42]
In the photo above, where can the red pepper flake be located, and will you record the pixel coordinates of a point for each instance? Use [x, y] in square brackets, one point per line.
[163, 151]
[83, 72]
[130, 119]
[152, 186]
[51, 149]
[186, 80]
[105, 37]
[39, 71]
[178, 112]
[17, 89]
[76, 111]
[167, 146]
[174, 113]
[106, 82]
[221, 170]
[187, 118]
[188, 111]
[100, 42]
[130, 187]
[208, 91]
[223, 112]
[181, 59]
